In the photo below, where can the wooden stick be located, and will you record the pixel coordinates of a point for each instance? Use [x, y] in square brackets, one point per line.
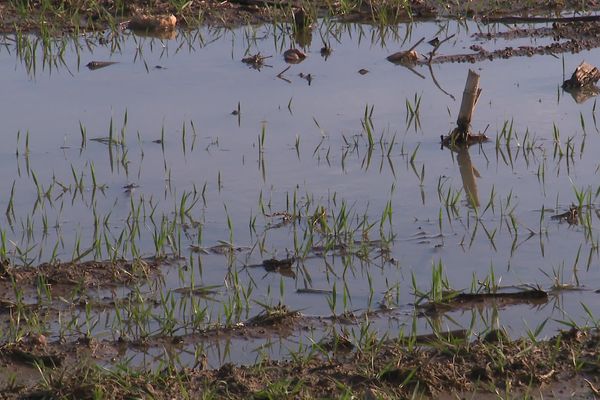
[415, 45]
[437, 83]
[469, 99]
[437, 46]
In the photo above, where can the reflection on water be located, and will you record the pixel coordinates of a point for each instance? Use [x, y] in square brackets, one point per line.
[158, 34]
[172, 171]
[468, 174]
[582, 94]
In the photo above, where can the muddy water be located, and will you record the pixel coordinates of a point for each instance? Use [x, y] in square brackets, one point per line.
[173, 106]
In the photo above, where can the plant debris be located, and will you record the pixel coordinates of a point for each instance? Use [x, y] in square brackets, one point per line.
[452, 300]
[571, 216]
[256, 61]
[93, 65]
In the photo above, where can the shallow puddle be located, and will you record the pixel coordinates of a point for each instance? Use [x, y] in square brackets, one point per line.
[179, 149]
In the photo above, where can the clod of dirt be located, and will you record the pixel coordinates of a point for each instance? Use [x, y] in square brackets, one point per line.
[87, 274]
[152, 23]
[293, 56]
[404, 57]
[32, 349]
[278, 315]
[337, 343]
[5, 269]
[274, 264]
[585, 74]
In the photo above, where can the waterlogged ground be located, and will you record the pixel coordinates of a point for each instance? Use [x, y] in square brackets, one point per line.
[197, 168]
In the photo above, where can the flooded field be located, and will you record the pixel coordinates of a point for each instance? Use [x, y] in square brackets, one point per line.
[242, 212]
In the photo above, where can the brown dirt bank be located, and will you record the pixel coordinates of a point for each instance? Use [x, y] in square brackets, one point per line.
[64, 16]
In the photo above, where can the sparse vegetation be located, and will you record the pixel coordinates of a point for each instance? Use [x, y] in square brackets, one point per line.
[197, 218]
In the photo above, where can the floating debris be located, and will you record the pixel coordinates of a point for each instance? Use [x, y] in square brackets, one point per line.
[93, 65]
[256, 61]
[571, 216]
[130, 187]
[456, 300]
[434, 42]
[363, 71]
[313, 291]
[222, 248]
[200, 291]
[308, 77]
[274, 264]
[284, 215]
[106, 140]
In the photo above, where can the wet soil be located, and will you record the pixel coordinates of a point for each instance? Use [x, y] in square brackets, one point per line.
[371, 367]
[572, 26]
[432, 366]
[61, 278]
[374, 370]
[86, 274]
[568, 37]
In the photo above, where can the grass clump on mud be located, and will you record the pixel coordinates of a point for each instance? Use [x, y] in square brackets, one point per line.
[386, 369]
